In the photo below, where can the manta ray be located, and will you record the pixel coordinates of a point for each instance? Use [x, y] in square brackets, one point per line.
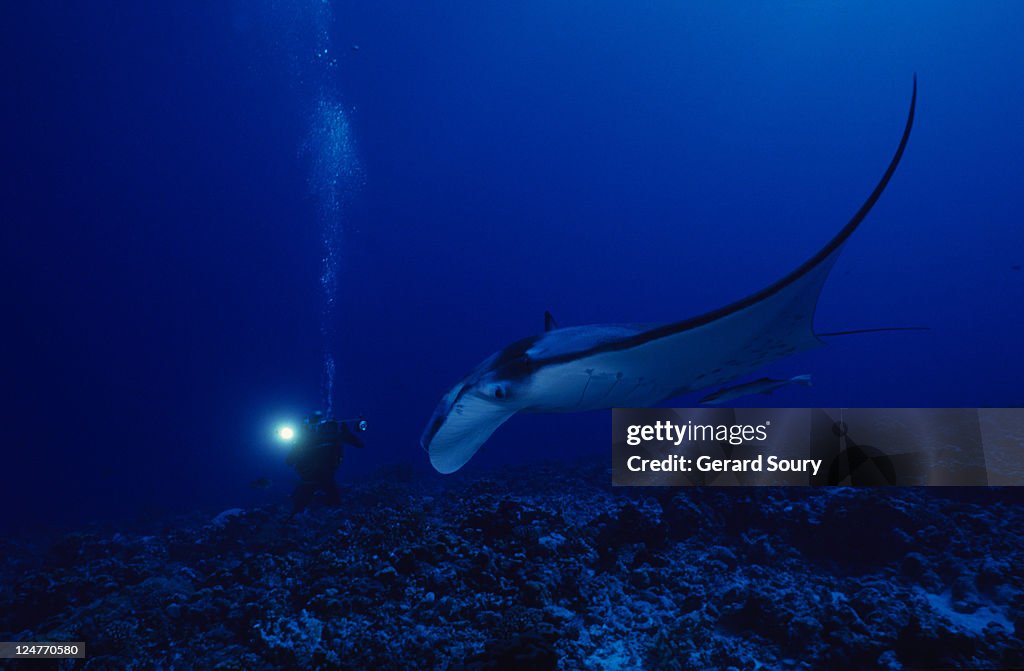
[597, 366]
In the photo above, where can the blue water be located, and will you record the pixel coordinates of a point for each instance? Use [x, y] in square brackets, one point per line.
[205, 204]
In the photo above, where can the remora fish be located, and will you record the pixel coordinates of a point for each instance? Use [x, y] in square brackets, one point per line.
[764, 385]
[603, 366]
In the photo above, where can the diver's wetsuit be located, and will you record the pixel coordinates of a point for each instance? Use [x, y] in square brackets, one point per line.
[316, 456]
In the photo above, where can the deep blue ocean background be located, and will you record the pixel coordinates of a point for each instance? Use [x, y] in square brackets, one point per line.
[163, 217]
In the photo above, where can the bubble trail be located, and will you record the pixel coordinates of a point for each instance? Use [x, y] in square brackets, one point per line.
[334, 174]
[300, 32]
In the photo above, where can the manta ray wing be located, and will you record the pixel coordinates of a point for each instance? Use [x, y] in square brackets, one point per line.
[716, 347]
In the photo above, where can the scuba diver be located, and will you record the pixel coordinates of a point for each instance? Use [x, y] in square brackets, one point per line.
[316, 454]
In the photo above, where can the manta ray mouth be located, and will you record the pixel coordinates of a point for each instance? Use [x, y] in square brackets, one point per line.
[456, 433]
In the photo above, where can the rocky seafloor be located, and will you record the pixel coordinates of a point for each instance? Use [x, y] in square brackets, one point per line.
[542, 568]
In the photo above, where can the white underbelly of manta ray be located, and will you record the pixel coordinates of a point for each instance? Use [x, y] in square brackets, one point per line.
[605, 366]
[664, 367]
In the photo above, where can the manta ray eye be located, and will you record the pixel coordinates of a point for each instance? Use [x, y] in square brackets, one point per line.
[499, 392]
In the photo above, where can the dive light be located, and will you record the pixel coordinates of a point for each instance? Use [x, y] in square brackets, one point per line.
[286, 433]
